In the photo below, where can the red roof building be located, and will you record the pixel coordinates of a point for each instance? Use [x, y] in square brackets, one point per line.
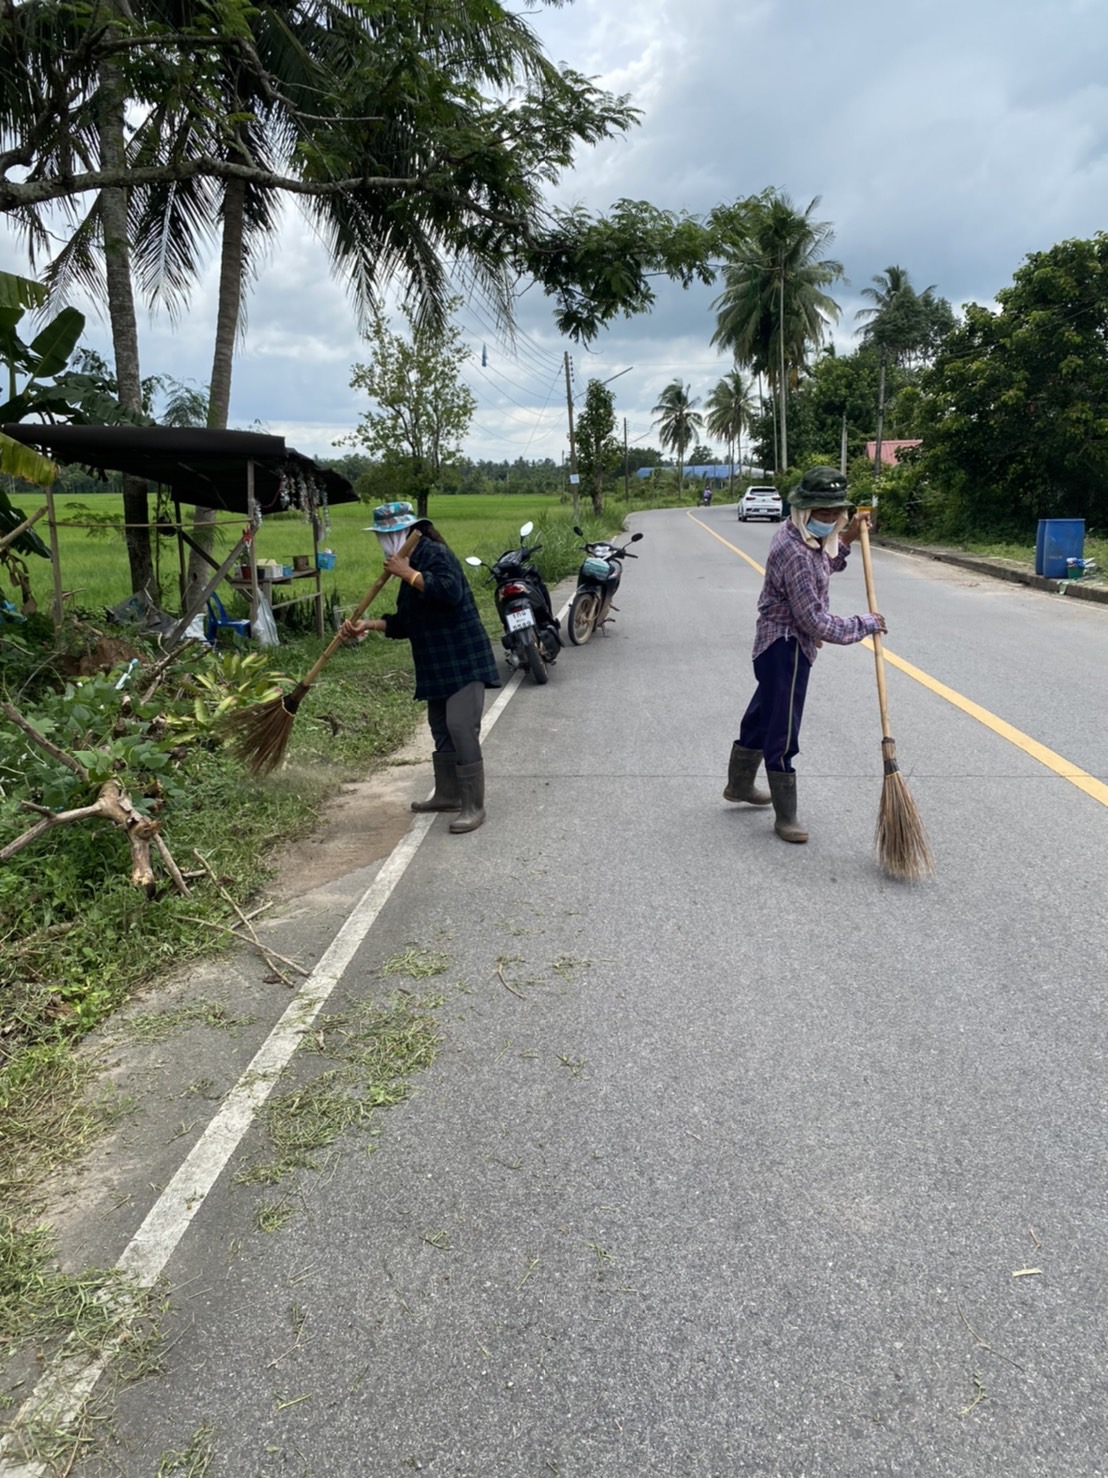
[890, 450]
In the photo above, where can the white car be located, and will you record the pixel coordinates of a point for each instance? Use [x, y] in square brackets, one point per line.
[761, 502]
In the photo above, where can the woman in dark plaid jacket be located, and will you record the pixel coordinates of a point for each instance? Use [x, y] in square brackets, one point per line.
[453, 657]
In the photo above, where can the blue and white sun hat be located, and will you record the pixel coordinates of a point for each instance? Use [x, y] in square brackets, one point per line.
[390, 518]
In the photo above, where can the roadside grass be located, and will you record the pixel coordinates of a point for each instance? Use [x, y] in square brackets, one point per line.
[1096, 548]
[97, 1314]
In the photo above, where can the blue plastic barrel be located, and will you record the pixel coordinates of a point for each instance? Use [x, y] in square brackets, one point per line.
[1058, 539]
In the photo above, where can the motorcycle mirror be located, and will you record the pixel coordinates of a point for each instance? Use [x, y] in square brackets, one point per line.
[635, 538]
[525, 530]
[471, 559]
[579, 532]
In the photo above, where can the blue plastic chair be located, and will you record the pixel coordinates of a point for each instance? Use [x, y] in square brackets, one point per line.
[218, 618]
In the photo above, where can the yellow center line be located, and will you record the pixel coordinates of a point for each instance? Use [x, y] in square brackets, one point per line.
[1062, 767]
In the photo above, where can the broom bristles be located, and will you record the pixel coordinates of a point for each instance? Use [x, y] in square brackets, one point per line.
[259, 735]
[900, 839]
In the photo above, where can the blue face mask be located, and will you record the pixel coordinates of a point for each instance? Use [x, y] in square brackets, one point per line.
[820, 530]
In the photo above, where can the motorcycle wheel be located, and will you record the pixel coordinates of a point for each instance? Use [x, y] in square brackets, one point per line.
[582, 616]
[535, 660]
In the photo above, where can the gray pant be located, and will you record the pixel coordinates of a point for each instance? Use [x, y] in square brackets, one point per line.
[455, 722]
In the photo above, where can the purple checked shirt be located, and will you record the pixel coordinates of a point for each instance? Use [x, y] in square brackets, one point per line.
[793, 602]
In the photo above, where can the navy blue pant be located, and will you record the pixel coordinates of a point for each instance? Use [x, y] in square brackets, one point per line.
[771, 722]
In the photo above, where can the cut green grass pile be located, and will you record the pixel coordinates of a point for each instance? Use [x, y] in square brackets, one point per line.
[376, 1047]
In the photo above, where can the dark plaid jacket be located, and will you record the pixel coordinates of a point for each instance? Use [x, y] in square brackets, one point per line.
[450, 647]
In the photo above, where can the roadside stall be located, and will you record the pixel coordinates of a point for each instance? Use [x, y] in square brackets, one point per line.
[245, 474]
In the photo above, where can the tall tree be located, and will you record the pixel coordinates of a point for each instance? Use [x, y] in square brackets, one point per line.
[598, 451]
[898, 324]
[678, 422]
[434, 131]
[1015, 407]
[730, 408]
[421, 409]
[773, 306]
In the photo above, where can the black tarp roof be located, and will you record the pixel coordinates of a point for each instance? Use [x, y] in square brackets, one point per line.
[204, 468]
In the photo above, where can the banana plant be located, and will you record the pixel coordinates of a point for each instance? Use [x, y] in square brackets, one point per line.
[40, 387]
[17, 295]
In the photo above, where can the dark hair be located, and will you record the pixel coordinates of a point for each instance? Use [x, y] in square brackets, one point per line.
[428, 530]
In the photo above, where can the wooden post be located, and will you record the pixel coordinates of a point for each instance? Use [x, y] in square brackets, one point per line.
[314, 521]
[55, 554]
[251, 523]
[180, 552]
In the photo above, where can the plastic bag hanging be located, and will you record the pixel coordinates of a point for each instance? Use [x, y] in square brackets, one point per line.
[263, 628]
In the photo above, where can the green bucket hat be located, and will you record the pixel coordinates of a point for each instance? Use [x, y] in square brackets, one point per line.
[820, 487]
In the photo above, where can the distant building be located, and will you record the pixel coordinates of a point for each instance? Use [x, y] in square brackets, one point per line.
[716, 472]
[890, 450]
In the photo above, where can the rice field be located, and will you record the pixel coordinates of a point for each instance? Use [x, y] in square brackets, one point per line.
[95, 575]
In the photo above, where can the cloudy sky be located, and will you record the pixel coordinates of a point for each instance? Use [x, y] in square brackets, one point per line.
[950, 137]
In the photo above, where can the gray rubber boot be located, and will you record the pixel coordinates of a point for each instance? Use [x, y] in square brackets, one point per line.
[783, 791]
[447, 796]
[471, 782]
[741, 770]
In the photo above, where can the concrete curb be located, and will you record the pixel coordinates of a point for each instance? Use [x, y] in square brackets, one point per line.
[1000, 569]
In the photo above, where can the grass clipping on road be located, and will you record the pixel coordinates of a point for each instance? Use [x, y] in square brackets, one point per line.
[375, 1047]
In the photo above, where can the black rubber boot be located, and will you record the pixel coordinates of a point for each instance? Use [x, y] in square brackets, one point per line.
[783, 791]
[447, 796]
[471, 782]
[741, 770]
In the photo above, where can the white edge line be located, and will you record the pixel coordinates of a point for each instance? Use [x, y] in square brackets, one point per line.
[64, 1388]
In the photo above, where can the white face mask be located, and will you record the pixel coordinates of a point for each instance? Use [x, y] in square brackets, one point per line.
[393, 542]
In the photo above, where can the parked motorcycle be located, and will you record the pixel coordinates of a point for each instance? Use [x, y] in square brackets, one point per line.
[597, 582]
[531, 630]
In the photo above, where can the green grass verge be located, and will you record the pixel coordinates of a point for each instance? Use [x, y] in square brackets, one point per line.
[1021, 551]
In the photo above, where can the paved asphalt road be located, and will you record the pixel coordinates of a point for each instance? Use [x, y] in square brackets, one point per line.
[741, 1187]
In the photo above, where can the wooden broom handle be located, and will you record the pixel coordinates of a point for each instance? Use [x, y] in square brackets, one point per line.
[367, 600]
[878, 650]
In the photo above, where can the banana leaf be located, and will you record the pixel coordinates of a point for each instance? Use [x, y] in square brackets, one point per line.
[22, 461]
[52, 347]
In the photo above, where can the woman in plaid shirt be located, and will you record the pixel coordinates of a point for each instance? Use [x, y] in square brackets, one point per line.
[453, 657]
[794, 620]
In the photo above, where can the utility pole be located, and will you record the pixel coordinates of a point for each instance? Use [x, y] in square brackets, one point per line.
[784, 382]
[842, 448]
[626, 475]
[574, 480]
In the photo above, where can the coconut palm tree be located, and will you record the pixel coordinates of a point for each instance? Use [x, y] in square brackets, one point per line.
[899, 324]
[311, 52]
[324, 90]
[678, 422]
[730, 408]
[773, 306]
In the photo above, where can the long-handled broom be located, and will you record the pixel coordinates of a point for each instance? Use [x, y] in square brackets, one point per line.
[260, 734]
[900, 839]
